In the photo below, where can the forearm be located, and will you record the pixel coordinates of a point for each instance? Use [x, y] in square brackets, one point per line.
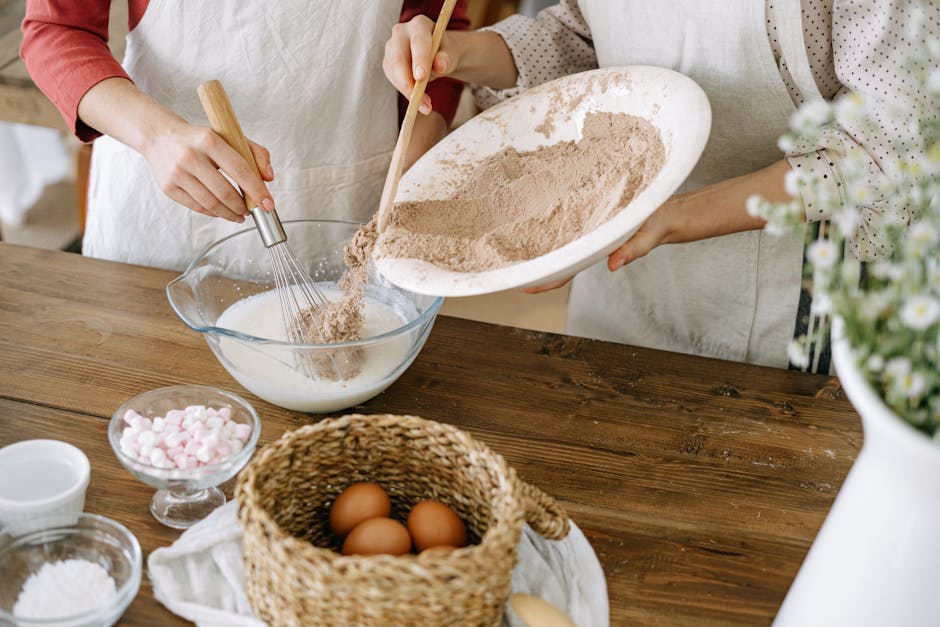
[428, 130]
[483, 59]
[117, 108]
[720, 208]
[185, 158]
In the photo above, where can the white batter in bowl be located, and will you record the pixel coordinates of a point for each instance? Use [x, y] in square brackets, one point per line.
[227, 294]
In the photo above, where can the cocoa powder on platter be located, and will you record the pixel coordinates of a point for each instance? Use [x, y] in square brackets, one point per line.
[512, 207]
[515, 206]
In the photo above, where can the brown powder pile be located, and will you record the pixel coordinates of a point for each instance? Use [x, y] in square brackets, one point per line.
[341, 320]
[516, 205]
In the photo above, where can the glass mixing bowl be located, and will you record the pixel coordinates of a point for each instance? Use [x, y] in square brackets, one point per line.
[93, 538]
[248, 339]
[185, 496]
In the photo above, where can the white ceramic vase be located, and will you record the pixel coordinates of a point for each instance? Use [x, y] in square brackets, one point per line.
[876, 560]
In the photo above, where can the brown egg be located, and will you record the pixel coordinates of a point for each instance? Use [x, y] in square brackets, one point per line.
[358, 502]
[378, 536]
[444, 548]
[434, 524]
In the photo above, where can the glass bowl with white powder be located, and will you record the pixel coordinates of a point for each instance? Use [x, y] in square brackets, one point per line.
[70, 576]
[228, 294]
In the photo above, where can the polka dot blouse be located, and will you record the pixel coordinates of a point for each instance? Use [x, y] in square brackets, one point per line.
[850, 45]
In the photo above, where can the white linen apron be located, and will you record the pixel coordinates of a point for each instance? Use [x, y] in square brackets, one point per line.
[305, 79]
[732, 297]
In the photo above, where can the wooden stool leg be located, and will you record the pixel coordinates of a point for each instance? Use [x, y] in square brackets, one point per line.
[83, 158]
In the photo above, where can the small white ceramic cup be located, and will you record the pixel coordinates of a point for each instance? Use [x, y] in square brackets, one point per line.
[42, 484]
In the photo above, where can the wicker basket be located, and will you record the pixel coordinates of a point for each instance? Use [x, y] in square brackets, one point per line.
[295, 576]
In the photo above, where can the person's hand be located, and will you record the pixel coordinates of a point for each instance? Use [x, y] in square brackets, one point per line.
[710, 211]
[408, 57]
[186, 159]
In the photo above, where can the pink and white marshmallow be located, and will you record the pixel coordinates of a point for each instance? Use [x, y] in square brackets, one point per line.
[185, 438]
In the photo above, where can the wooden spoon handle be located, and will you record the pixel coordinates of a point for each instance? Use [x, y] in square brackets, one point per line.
[404, 135]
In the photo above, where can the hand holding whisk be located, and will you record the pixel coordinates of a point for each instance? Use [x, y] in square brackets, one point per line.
[302, 302]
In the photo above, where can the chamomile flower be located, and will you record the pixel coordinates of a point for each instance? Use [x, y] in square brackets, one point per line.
[897, 367]
[885, 270]
[792, 183]
[910, 385]
[822, 253]
[847, 219]
[822, 304]
[889, 210]
[922, 237]
[798, 354]
[920, 311]
[811, 116]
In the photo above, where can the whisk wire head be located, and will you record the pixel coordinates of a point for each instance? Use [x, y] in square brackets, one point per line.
[300, 300]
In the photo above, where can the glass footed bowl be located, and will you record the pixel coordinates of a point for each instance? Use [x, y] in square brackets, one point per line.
[93, 538]
[248, 340]
[185, 495]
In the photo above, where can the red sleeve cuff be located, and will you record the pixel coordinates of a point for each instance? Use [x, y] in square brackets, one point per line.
[80, 81]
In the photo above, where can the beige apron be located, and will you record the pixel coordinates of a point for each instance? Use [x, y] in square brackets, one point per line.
[305, 79]
[732, 297]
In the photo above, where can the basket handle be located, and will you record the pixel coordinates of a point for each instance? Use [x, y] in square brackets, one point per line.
[543, 513]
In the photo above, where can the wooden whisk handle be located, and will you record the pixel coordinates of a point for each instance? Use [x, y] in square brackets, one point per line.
[223, 121]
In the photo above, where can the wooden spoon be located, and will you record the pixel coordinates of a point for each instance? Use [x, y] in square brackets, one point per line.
[535, 612]
[404, 135]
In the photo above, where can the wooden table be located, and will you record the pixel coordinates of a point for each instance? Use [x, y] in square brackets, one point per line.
[700, 483]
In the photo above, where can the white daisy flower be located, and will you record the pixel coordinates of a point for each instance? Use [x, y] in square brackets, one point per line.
[792, 183]
[822, 253]
[885, 269]
[797, 353]
[847, 220]
[876, 363]
[911, 385]
[811, 116]
[822, 304]
[755, 206]
[873, 304]
[922, 237]
[898, 367]
[850, 109]
[920, 311]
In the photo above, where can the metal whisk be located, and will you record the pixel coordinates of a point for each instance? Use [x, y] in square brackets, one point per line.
[301, 299]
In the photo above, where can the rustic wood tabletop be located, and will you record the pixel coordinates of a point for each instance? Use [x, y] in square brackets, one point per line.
[699, 483]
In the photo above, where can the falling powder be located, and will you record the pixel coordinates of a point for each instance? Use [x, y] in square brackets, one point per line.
[515, 206]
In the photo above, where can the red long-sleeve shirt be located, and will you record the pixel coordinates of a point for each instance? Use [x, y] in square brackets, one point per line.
[65, 47]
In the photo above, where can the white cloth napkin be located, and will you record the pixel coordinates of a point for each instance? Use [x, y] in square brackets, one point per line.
[201, 576]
